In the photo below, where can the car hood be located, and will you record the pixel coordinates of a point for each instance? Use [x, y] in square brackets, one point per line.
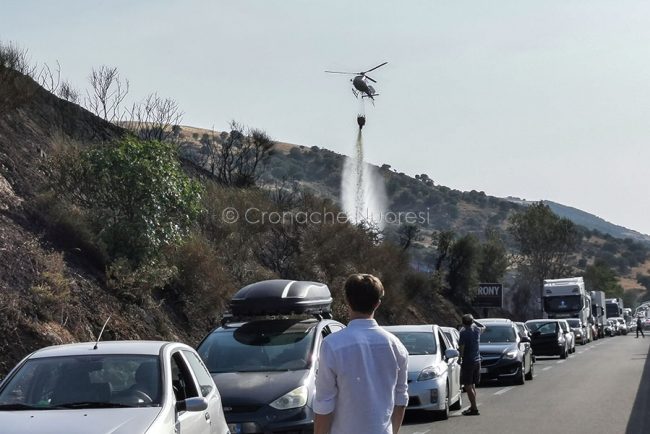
[497, 348]
[418, 363]
[86, 421]
[257, 388]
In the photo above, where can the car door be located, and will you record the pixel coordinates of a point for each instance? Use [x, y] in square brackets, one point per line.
[208, 390]
[453, 368]
[184, 386]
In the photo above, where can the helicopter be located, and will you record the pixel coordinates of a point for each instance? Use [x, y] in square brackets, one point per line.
[360, 83]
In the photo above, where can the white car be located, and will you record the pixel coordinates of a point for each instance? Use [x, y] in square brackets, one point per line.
[568, 335]
[120, 387]
[434, 372]
[622, 325]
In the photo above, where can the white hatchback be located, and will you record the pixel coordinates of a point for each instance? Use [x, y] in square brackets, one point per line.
[119, 387]
[434, 372]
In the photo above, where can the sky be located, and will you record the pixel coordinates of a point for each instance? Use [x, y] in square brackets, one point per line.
[534, 99]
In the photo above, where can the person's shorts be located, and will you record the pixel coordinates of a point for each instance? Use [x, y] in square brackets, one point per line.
[470, 373]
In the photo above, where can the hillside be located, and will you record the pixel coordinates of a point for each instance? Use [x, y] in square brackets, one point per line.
[318, 170]
[589, 221]
[59, 283]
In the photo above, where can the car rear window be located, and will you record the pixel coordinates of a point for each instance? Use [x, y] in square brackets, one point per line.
[498, 334]
[418, 343]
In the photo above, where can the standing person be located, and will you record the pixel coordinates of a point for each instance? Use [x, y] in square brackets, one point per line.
[639, 327]
[470, 367]
[361, 385]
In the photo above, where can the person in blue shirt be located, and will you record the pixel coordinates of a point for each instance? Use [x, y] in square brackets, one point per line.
[470, 367]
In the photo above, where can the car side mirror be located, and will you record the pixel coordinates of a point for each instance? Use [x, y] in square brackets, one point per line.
[451, 353]
[192, 404]
[525, 339]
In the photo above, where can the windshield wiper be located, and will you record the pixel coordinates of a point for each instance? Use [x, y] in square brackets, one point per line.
[93, 404]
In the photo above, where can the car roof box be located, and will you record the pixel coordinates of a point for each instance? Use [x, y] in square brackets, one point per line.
[281, 297]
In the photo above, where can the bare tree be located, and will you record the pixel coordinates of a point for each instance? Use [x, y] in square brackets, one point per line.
[68, 92]
[236, 157]
[49, 79]
[154, 117]
[106, 94]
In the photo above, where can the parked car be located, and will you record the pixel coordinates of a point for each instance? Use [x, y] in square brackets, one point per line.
[505, 354]
[547, 338]
[611, 328]
[453, 336]
[523, 330]
[622, 325]
[568, 334]
[579, 330]
[434, 372]
[265, 368]
[118, 387]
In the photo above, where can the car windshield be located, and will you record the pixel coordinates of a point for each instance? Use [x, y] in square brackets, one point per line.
[97, 381]
[574, 323]
[498, 334]
[543, 327]
[260, 346]
[417, 343]
[620, 320]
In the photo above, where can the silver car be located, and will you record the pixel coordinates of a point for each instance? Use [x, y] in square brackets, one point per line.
[434, 372]
[568, 335]
[121, 387]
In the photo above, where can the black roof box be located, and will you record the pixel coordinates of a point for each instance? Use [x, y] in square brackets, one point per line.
[281, 297]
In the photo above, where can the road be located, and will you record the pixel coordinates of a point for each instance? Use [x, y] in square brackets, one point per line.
[603, 388]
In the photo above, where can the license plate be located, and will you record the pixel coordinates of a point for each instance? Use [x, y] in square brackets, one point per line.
[235, 428]
[483, 370]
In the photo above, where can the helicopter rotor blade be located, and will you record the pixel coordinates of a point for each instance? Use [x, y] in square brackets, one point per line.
[340, 72]
[378, 66]
[371, 79]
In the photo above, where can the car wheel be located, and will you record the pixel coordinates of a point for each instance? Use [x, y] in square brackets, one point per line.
[531, 372]
[520, 378]
[458, 404]
[444, 414]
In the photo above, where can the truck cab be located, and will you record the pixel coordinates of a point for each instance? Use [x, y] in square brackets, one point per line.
[567, 298]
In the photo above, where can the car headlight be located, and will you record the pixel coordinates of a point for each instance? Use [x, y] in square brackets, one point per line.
[430, 373]
[512, 354]
[294, 399]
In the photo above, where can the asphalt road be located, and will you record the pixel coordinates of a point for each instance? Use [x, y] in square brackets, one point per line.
[603, 388]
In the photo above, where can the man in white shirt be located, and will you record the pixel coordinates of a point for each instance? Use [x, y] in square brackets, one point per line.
[361, 385]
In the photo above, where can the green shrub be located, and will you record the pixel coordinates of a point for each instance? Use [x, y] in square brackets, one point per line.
[135, 192]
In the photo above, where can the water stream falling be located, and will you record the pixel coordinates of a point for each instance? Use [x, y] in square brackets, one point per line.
[363, 194]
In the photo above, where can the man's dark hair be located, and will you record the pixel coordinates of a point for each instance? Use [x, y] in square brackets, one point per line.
[468, 319]
[363, 292]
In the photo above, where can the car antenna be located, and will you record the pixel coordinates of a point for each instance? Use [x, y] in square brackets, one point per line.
[102, 331]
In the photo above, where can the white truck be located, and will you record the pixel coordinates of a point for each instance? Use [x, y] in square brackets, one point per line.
[568, 298]
[598, 311]
[614, 307]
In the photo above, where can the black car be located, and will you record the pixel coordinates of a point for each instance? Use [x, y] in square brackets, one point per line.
[547, 338]
[505, 354]
[265, 367]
